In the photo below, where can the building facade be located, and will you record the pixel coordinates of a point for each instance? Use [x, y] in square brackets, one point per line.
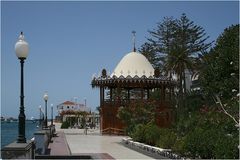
[72, 106]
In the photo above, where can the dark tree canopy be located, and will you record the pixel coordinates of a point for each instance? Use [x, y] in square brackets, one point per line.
[220, 74]
[148, 51]
[175, 43]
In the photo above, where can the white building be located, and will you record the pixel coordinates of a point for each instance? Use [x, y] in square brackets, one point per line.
[68, 105]
[191, 80]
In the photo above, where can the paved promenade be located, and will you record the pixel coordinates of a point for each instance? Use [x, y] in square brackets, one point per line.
[79, 143]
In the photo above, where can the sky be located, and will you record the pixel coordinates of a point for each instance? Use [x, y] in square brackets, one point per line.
[71, 41]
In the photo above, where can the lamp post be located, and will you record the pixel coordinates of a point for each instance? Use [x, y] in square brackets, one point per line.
[21, 49]
[52, 114]
[42, 119]
[85, 102]
[60, 114]
[45, 97]
[40, 116]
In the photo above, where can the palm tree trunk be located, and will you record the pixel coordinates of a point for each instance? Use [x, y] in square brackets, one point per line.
[181, 85]
[184, 82]
[180, 104]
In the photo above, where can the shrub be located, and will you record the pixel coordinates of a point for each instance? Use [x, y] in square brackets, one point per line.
[229, 152]
[65, 125]
[178, 146]
[148, 134]
[138, 133]
[201, 143]
[167, 138]
[151, 134]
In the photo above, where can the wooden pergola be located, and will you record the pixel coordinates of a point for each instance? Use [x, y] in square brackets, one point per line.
[120, 91]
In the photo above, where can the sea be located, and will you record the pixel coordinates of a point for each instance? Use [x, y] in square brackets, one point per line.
[9, 131]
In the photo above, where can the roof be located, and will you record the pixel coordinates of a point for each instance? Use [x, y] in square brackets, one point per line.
[135, 82]
[133, 64]
[68, 103]
[133, 71]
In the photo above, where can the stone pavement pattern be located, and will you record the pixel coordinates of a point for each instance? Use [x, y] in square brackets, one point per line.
[96, 143]
[59, 146]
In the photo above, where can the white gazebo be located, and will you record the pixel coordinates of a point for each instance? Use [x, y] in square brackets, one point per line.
[133, 79]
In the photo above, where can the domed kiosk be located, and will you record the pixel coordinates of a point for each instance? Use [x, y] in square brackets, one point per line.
[133, 64]
[133, 80]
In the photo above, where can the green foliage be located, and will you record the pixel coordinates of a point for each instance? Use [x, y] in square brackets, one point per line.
[229, 152]
[124, 115]
[220, 71]
[167, 138]
[199, 133]
[148, 50]
[202, 129]
[185, 123]
[200, 143]
[65, 125]
[175, 43]
[193, 101]
[210, 143]
[151, 134]
[136, 113]
[206, 135]
[156, 94]
[178, 146]
[138, 133]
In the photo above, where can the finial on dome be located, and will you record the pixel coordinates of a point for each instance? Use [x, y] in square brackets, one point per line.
[134, 37]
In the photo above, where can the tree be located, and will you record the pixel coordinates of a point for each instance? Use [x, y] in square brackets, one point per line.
[148, 50]
[219, 76]
[177, 43]
[221, 65]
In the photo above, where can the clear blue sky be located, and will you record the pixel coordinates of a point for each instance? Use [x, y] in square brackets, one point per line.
[70, 41]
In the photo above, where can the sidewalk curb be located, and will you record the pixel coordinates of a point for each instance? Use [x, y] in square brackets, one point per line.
[148, 150]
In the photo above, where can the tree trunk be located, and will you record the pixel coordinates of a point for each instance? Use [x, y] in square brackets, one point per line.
[180, 104]
[184, 82]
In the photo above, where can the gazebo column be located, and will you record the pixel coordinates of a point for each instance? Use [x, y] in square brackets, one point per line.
[101, 95]
[170, 93]
[142, 92]
[159, 93]
[148, 96]
[118, 94]
[111, 94]
[128, 94]
[164, 93]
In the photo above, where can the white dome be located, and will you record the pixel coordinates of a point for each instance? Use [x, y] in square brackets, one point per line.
[133, 64]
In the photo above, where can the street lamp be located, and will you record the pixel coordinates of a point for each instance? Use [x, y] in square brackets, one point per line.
[52, 114]
[85, 102]
[40, 116]
[45, 97]
[21, 49]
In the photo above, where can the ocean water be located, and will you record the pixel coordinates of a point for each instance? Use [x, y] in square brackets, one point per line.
[9, 131]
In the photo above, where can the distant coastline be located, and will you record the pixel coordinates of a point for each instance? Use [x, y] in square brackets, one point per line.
[12, 119]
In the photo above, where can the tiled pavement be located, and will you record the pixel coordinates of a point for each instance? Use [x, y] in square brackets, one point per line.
[59, 145]
[102, 144]
[101, 147]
